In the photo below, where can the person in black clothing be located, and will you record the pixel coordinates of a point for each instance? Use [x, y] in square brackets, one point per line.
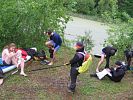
[75, 62]
[129, 56]
[107, 52]
[115, 74]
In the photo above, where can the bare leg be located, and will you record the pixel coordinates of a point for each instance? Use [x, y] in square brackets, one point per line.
[100, 62]
[1, 81]
[14, 61]
[22, 68]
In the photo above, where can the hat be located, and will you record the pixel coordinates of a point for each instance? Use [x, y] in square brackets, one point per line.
[79, 45]
[119, 63]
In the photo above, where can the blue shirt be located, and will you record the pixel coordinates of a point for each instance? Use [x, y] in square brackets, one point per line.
[57, 39]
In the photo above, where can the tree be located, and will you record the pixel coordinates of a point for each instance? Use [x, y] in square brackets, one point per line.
[24, 21]
[126, 6]
[121, 36]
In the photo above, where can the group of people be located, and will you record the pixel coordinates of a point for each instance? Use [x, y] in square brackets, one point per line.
[10, 56]
[13, 56]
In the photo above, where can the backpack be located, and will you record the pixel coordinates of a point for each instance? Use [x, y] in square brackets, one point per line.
[41, 55]
[86, 64]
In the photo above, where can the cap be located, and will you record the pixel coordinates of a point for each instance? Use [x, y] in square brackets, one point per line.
[119, 63]
[79, 45]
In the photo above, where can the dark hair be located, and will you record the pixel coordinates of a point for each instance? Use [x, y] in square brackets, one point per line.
[80, 44]
[119, 63]
[49, 31]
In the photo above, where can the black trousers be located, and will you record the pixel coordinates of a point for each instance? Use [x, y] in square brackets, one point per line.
[73, 74]
[107, 62]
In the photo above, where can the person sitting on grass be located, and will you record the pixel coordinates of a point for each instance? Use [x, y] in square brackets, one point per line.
[107, 52]
[53, 44]
[75, 62]
[115, 74]
[10, 57]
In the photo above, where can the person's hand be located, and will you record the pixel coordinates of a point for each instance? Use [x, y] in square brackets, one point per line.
[108, 69]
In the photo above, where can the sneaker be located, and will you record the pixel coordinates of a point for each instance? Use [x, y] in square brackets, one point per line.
[42, 62]
[70, 91]
[93, 75]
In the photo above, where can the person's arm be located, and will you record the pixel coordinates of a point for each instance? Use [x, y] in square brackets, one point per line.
[75, 59]
[100, 62]
[10, 54]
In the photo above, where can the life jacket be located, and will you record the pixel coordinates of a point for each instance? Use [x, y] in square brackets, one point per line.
[87, 62]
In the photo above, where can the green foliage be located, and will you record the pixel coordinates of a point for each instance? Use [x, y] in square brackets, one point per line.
[85, 6]
[24, 21]
[126, 6]
[121, 36]
[87, 41]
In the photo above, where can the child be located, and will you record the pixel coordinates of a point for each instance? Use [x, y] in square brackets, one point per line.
[53, 44]
[107, 52]
[75, 63]
[10, 57]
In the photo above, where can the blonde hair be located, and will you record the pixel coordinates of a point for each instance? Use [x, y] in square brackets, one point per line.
[9, 46]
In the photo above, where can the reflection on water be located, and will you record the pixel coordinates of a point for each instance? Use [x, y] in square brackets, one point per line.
[79, 26]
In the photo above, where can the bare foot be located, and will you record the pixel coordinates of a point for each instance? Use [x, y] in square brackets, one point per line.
[51, 63]
[23, 74]
[97, 70]
[1, 81]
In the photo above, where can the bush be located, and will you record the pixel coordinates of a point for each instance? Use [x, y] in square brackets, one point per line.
[24, 21]
[121, 37]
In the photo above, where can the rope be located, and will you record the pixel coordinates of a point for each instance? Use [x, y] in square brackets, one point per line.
[48, 67]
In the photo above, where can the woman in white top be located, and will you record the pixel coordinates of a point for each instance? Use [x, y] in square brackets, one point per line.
[10, 57]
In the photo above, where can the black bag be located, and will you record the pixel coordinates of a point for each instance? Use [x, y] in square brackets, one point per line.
[41, 55]
[31, 52]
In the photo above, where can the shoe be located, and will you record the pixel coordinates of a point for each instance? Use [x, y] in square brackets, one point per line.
[93, 75]
[70, 91]
[42, 62]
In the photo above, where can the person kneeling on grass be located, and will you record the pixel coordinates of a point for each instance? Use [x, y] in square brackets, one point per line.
[53, 44]
[115, 74]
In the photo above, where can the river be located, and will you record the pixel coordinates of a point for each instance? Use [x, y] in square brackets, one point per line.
[79, 26]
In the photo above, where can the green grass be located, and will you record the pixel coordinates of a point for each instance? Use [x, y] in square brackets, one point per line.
[51, 84]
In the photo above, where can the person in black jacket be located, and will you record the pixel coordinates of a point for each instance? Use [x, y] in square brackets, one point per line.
[115, 74]
[107, 52]
[129, 56]
[75, 62]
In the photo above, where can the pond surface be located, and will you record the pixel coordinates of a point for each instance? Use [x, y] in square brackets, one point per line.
[79, 26]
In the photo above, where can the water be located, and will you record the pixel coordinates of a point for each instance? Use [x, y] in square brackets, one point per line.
[79, 26]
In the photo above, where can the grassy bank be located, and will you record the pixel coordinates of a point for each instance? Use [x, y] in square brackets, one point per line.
[51, 84]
